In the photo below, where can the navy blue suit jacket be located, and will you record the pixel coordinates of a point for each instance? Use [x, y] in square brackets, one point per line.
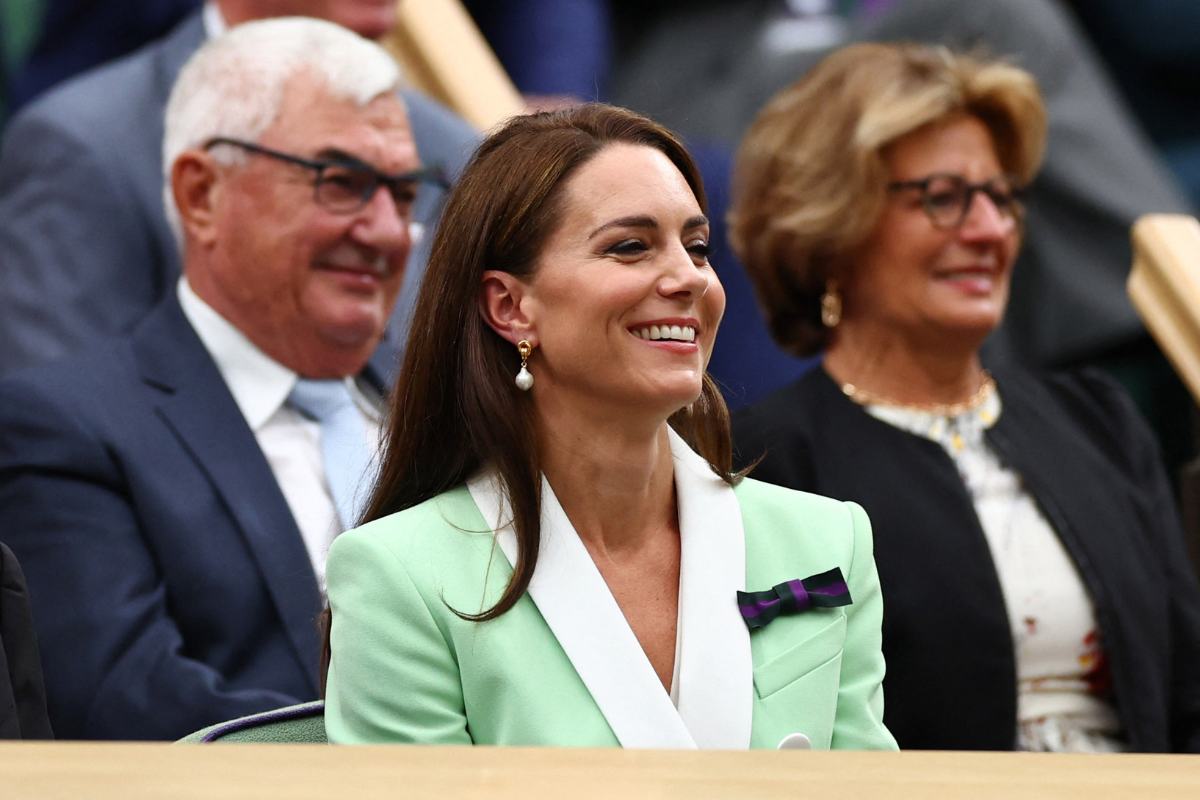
[85, 248]
[170, 585]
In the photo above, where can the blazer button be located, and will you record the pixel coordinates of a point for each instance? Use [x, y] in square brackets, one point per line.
[795, 741]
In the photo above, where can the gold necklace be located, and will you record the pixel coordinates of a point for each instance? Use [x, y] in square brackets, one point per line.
[866, 398]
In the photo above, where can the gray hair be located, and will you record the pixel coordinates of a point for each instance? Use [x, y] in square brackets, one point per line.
[233, 86]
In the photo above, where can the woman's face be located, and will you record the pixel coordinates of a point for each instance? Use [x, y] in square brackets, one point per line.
[932, 283]
[624, 304]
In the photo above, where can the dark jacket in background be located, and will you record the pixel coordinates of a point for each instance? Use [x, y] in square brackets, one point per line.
[22, 692]
[1092, 466]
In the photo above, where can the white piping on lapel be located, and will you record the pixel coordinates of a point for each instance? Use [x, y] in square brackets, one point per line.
[716, 669]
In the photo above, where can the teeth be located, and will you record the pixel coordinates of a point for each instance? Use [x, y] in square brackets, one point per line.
[677, 333]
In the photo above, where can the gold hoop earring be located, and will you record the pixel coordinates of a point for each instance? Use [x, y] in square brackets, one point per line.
[524, 379]
[831, 306]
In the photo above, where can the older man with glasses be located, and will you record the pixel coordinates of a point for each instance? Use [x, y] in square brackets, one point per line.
[85, 248]
[172, 495]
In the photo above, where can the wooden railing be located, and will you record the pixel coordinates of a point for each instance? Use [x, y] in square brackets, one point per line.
[30, 771]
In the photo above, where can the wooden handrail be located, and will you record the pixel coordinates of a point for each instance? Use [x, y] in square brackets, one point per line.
[1164, 286]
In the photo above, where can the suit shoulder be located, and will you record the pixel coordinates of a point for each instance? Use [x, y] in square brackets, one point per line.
[447, 529]
[778, 501]
[96, 105]
[87, 378]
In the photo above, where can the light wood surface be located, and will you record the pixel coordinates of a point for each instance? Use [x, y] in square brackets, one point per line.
[1164, 286]
[42, 771]
[442, 53]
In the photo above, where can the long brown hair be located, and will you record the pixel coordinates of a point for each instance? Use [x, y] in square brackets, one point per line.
[455, 408]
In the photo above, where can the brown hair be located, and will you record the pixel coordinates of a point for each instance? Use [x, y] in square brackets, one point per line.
[810, 176]
[455, 408]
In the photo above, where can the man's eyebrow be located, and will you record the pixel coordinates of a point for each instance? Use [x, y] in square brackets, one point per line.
[335, 156]
[342, 157]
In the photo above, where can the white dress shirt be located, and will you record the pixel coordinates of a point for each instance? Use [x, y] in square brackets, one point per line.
[290, 441]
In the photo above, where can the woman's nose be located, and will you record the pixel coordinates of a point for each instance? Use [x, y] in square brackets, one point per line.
[684, 276]
[985, 220]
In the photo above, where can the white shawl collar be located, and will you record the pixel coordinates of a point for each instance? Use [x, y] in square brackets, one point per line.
[716, 667]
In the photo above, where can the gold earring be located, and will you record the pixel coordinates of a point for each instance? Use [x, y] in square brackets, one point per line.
[831, 305]
[524, 379]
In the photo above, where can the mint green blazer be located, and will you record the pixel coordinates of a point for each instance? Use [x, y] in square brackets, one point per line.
[406, 668]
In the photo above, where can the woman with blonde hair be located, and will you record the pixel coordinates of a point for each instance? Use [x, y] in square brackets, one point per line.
[1036, 591]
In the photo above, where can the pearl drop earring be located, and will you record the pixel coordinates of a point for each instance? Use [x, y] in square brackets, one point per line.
[524, 379]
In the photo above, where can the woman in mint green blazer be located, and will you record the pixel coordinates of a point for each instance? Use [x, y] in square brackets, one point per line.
[558, 551]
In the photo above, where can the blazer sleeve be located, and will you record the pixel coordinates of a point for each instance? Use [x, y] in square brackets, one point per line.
[22, 691]
[1133, 442]
[393, 676]
[858, 724]
[79, 257]
[115, 660]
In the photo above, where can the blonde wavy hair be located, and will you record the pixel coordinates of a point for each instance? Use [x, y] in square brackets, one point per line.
[811, 174]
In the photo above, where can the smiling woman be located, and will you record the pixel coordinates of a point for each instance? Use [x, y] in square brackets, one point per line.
[570, 560]
[1037, 592]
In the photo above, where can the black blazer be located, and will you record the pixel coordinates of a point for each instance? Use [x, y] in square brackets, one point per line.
[22, 692]
[1091, 464]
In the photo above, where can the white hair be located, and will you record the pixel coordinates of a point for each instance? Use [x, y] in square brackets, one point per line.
[233, 85]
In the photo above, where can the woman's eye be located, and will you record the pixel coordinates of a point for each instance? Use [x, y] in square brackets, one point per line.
[701, 250]
[629, 247]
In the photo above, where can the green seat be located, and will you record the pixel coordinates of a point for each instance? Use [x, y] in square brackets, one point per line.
[301, 724]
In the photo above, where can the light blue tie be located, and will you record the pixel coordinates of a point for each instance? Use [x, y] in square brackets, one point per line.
[344, 448]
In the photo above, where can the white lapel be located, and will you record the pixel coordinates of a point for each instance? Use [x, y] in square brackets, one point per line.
[716, 667]
[585, 618]
[716, 672]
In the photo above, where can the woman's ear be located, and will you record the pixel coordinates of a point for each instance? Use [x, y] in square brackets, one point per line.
[503, 304]
[194, 186]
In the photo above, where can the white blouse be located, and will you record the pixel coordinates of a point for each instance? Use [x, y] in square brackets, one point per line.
[1063, 681]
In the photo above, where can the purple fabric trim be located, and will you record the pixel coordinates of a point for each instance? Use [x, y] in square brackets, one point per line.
[800, 593]
[759, 607]
[265, 718]
[833, 589]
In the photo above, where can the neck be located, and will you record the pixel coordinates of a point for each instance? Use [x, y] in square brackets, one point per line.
[616, 481]
[906, 372]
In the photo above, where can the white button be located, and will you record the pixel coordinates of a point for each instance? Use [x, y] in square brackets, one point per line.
[795, 741]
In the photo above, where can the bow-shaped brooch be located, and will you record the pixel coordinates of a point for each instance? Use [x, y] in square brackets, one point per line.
[826, 590]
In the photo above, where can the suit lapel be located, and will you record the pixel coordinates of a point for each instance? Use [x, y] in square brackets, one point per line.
[716, 671]
[199, 409]
[583, 615]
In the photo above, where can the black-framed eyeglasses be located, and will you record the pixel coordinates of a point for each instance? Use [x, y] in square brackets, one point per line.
[346, 185]
[947, 197]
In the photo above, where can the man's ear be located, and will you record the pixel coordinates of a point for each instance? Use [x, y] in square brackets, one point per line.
[195, 187]
[504, 304]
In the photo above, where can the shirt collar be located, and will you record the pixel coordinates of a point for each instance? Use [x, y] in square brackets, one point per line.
[214, 23]
[259, 384]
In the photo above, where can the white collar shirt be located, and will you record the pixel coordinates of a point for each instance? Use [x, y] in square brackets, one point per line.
[290, 441]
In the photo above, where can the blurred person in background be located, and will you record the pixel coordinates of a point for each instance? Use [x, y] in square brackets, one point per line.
[1037, 592]
[85, 246]
[172, 494]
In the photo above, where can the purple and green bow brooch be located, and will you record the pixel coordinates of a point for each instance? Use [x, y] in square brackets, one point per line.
[826, 590]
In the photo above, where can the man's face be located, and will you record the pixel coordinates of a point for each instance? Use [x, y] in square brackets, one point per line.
[313, 287]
